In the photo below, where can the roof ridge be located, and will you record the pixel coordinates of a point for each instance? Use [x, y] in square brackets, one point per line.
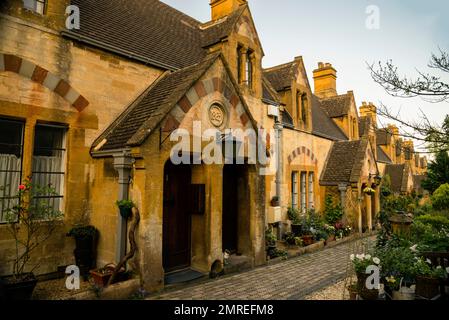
[273, 68]
[337, 96]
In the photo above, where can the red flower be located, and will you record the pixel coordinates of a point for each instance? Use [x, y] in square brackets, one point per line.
[22, 187]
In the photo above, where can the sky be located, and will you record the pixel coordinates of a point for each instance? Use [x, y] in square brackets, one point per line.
[407, 32]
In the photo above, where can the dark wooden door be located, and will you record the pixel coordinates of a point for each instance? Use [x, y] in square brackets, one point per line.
[177, 217]
[230, 208]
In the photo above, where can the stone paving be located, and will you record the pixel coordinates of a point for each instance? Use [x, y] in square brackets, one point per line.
[292, 279]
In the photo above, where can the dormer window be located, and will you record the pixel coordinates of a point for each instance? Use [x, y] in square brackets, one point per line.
[37, 6]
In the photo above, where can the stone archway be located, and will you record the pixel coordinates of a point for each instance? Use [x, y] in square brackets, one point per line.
[29, 70]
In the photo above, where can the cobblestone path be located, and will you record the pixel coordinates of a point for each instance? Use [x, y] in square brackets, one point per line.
[292, 279]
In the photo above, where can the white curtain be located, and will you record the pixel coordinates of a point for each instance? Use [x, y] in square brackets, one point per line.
[47, 172]
[10, 166]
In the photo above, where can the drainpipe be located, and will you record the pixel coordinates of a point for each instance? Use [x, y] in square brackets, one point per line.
[343, 187]
[278, 130]
[123, 163]
[279, 163]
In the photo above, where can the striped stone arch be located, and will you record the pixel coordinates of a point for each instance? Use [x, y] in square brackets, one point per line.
[200, 90]
[44, 77]
[302, 150]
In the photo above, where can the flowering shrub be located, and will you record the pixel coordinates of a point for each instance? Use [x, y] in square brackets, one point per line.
[363, 261]
[31, 223]
[424, 268]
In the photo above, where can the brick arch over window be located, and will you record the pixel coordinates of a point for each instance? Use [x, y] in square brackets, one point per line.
[44, 77]
[199, 91]
[302, 150]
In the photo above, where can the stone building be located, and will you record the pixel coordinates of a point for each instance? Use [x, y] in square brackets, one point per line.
[94, 110]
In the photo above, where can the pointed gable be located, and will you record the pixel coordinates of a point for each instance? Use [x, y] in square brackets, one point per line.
[166, 102]
[346, 162]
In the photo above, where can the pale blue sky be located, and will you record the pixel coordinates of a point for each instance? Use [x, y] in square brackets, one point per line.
[334, 31]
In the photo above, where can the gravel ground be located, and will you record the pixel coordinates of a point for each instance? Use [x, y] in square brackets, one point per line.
[334, 292]
[56, 290]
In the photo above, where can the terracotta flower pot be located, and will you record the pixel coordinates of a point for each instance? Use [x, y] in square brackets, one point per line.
[307, 240]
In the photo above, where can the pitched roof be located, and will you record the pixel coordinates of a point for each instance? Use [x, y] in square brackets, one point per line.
[383, 136]
[145, 113]
[322, 125]
[364, 125]
[399, 176]
[345, 162]
[337, 106]
[382, 156]
[286, 119]
[281, 76]
[268, 93]
[149, 31]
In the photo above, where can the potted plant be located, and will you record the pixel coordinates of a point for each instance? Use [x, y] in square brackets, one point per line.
[85, 239]
[330, 230]
[292, 239]
[31, 222]
[125, 207]
[428, 278]
[296, 225]
[361, 262]
[275, 201]
[369, 191]
[270, 240]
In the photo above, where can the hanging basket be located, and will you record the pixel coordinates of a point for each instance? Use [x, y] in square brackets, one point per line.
[125, 212]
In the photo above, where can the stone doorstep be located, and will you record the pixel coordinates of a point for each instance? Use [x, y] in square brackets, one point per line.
[117, 291]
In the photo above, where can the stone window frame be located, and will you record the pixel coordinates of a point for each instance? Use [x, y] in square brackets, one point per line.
[21, 151]
[63, 150]
[37, 6]
[307, 170]
[294, 189]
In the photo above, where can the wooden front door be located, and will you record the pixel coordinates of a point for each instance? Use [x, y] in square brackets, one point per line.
[231, 174]
[177, 217]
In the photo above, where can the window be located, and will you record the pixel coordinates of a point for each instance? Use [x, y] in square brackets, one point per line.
[249, 69]
[303, 192]
[304, 108]
[295, 189]
[311, 194]
[353, 129]
[48, 161]
[239, 64]
[11, 142]
[37, 6]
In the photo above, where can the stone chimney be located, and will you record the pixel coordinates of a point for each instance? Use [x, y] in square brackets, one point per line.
[369, 110]
[325, 78]
[222, 8]
[393, 130]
